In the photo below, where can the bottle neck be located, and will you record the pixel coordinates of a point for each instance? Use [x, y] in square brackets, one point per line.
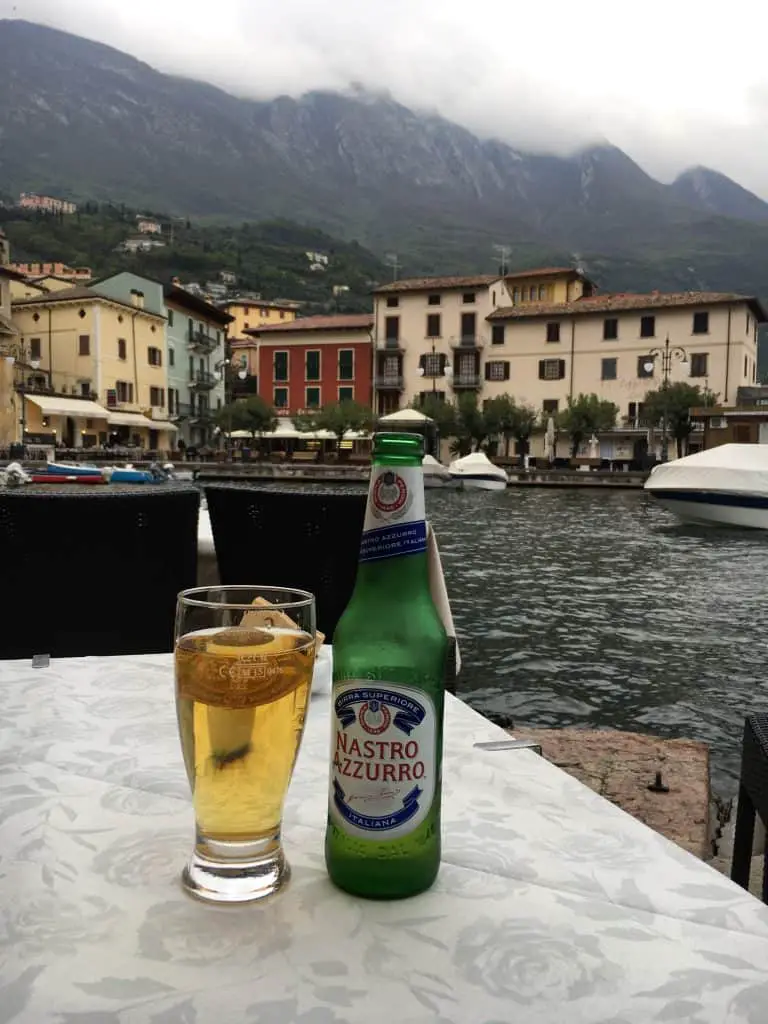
[394, 542]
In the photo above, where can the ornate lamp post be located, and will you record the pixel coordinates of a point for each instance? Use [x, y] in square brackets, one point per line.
[221, 373]
[448, 374]
[666, 355]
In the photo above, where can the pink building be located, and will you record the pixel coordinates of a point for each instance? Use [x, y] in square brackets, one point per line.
[48, 204]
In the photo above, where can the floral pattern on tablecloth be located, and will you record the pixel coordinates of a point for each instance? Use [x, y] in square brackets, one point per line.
[551, 905]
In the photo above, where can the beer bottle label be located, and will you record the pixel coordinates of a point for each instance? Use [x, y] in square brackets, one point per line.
[383, 766]
[395, 516]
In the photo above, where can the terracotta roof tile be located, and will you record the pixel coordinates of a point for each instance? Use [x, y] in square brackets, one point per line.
[621, 302]
[425, 284]
[544, 272]
[338, 322]
[82, 294]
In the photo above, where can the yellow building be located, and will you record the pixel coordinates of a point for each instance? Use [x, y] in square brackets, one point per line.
[93, 371]
[253, 313]
[9, 347]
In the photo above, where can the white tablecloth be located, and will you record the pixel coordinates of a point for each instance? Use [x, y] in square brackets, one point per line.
[551, 906]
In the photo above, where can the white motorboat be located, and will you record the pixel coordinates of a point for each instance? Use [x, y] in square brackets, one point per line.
[477, 471]
[435, 473]
[723, 486]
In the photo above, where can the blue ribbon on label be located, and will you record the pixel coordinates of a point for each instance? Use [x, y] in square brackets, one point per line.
[381, 824]
[408, 714]
[391, 541]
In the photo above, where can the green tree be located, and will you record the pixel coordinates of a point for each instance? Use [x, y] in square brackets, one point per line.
[504, 416]
[339, 417]
[252, 414]
[443, 413]
[673, 403]
[587, 415]
[472, 427]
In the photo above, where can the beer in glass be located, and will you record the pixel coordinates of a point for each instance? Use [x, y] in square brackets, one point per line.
[244, 659]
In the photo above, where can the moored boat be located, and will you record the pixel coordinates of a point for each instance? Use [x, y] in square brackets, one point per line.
[113, 474]
[435, 473]
[723, 486]
[477, 471]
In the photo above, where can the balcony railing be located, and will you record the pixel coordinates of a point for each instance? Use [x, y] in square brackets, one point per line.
[467, 342]
[390, 345]
[201, 341]
[389, 382]
[466, 380]
[203, 380]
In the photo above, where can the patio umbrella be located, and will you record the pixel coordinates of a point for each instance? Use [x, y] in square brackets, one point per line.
[550, 440]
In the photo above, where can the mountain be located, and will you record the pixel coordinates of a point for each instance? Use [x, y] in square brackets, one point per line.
[81, 119]
[704, 189]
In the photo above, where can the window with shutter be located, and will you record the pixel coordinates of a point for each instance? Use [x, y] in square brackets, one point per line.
[497, 369]
[280, 366]
[701, 323]
[553, 332]
[645, 366]
[551, 369]
[433, 325]
[346, 364]
[610, 329]
[608, 369]
[647, 326]
[392, 328]
[433, 364]
[497, 334]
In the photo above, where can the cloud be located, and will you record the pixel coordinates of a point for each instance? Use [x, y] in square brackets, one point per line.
[672, 82]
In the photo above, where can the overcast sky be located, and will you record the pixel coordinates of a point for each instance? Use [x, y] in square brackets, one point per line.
[672, 82]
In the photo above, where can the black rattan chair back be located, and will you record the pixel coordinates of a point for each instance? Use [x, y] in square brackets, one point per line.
[753, 799]
[308, 539]
[94, 569]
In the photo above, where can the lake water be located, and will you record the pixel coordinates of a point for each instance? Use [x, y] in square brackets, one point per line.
[595, 609]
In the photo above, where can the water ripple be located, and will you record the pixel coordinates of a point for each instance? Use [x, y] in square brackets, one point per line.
[597, 609]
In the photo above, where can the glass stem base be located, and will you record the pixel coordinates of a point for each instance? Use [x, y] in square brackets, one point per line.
[227, 872]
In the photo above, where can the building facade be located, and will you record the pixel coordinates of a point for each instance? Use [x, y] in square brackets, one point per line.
[54, 268]
[249, 313]
[430, 333]
[9, 349]
[46, 204]
[147, 226]
[95, 372]
[311, 362]
[197, 369]
[614, 346]
[545, 336]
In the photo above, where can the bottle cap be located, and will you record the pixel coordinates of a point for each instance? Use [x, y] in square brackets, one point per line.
[398, 445]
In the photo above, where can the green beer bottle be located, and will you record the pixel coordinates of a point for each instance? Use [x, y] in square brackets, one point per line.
[389, 655]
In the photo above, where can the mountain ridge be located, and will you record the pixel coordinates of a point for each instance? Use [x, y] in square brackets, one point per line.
[86, 120]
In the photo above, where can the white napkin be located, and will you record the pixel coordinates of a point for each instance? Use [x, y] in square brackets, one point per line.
[439, 592]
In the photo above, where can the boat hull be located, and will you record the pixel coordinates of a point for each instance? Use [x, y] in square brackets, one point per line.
[717, 508]
[64, 469]
[480, 483]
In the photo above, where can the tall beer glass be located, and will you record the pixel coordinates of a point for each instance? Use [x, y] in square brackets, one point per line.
[244, 659]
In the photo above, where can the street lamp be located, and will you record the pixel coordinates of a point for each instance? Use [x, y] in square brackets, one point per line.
[666, 354]
[448, 374]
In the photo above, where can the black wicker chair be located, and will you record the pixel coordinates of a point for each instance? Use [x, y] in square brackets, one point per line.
[94, 569]
[753, 799]
[299, 538]
[308, 539]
